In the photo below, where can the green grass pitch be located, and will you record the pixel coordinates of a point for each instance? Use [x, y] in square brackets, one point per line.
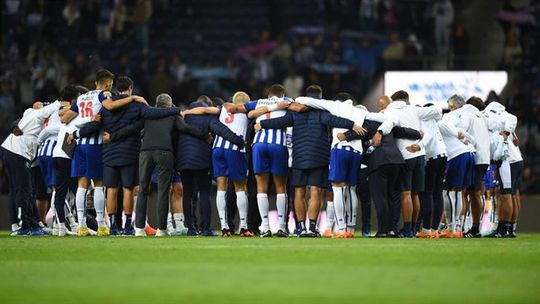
[236, 270]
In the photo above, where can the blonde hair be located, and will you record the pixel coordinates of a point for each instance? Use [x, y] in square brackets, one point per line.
[240, 97]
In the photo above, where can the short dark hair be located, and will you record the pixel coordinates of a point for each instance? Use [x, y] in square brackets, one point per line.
[69, 93]
[400, 95]
[477, 102]
[276, 90]
[104, 75]
[342, 96]
[82, 89]
[217, 101]
[205, 99]
[123, 83]
[314, 91]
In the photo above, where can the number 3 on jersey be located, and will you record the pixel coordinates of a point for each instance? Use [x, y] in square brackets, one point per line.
[86, 109]
[229, 119]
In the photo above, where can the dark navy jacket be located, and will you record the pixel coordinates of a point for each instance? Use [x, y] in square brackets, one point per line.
[388, 153]
[311, 144]
[125, 151]
[196, 154]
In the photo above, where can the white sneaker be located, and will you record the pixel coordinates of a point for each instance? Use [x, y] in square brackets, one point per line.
[160, 233]
[55, 229]
[92, 232]
[179, 231]
[62, 230]
[140, 232]
[170, 226]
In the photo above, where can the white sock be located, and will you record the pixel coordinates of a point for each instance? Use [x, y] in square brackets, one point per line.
[134, 208]
[99, 205]
[179, 221]
[80, 202]
[448, 199]
[281, 203]
[353, 199]
[222, 208]
[330, 215]
[51, 213]
[457, 210]
[262, 202]
[242, 204]
[339, 207]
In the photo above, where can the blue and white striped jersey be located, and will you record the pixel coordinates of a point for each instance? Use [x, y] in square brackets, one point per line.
[47, 147]
[269, 136]
[88, 105]
[236, 122]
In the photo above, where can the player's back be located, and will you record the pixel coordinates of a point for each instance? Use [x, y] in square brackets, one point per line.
[87, 106]
[237, 123]
[270, 136]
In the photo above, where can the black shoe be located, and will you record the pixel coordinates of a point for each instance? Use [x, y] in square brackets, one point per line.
[381, 235]
[266, 234]
[281, 233]
[315, 233]
[472, 234]
[494, 234]
[225, 232]
[245, 233]
[512, 235]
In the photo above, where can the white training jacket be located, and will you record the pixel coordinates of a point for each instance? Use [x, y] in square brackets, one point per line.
[454, 146]
[347, 110]
[474, 122]
[31, 125]
[500, 120]
[407, 116]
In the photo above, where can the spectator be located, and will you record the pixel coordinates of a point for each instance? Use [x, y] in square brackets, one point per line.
[443, 14]
[512, 51]
[293, 83]
[178, 69]
[460, 43]
[161, 82]
[119, 17]
[141, 18]
[395, 50]
[71, 14]
[105, 21]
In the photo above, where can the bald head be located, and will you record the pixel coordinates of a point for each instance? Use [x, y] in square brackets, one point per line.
[383, 102]
[240, 97]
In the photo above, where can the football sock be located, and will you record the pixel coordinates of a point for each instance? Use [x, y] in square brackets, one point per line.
[281, 203]
[112, 220]
[262, 202]
[99, 205]
[302, 225]
[80, 202]
[475, 228]
[179, 220]
[330, 215]
[353, 201]
[242, 204]
[222, 208]
[339, 207]
[313, 225]
[449, 199]
[508, 227]
[407, 227]
[129, 222]
[501, 226]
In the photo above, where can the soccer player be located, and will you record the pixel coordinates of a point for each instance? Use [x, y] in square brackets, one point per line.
[120, 158]
[87, 158]
[459, 168]
[412, 178]
[311, 156]
[509, 169]
[431, 200]
[18, 151]
[270, 154]
[473, 122]
[345, 157]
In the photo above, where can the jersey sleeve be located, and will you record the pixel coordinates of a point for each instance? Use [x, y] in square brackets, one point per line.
[104, 95]
[250, 106]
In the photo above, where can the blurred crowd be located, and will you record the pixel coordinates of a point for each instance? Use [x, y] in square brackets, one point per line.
[341, 45]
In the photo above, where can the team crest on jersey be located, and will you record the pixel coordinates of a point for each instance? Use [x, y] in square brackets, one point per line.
[107, 94]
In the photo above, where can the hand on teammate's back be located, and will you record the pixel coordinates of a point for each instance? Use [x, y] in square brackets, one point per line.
[140, 99]
[359, 130]
[106, 138]
[341, 136]
[257, 127]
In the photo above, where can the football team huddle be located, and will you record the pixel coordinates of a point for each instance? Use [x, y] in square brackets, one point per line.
[85, 165]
